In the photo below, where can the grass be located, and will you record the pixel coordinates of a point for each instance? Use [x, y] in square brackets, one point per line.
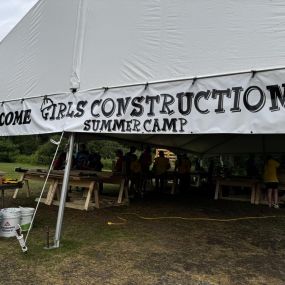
[138, 251]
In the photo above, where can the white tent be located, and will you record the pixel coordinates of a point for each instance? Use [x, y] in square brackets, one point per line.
[145, 67]
[171, 72]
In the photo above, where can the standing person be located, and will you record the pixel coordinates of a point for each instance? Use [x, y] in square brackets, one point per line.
[251, 167]
[129, 158]
[118, 167]
[271, 181]
[183, 167]
[59, 163]
[160, 167]
[145, 162]
[81, 158]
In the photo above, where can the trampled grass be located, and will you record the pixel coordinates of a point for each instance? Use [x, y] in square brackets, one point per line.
[163, 251]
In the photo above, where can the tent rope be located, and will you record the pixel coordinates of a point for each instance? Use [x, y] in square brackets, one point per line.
[43, 188]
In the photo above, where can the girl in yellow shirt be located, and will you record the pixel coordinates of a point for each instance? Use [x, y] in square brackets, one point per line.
[271, 181]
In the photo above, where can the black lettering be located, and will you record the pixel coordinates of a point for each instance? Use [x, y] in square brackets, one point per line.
[18, 116]
[27, 117]
[276, 93]
[146, 122]
[183, 122]
[220, 95]
[129, 126]
[2, 119]
[136, 126]
[169, 124]
[95, 125]
[152, 100]
[156, 127]
[123, 105]
[9, 118]
[80, 109]
[62, 108]
[136, 103]
[259, 105]
[167, 101]
[237, 91]
[112, 110]
[69, 113]
[200, 95]
[87, 125]
[93, 107]
[189, 98]
[106, 125]
[119, 125]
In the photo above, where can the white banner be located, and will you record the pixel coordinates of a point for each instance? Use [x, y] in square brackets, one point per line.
[243, 103]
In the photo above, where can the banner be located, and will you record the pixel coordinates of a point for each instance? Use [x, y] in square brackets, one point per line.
[243, 103]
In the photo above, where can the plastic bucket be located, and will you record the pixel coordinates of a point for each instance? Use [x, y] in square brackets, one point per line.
[10, 218]
[26, 217]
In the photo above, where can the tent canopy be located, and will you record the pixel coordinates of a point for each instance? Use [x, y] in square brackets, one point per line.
[141, 69]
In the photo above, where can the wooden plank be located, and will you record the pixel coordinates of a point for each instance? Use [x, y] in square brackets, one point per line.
[88, 198]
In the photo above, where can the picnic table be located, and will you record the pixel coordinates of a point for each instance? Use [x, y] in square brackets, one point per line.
[8, 186]
[88, 180]
[250, 183]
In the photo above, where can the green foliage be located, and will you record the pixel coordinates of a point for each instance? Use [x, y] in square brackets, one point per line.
[106, 148]
[37, 149]
[8, 150]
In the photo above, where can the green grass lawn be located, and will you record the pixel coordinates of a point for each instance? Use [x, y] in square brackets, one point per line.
[9, 168]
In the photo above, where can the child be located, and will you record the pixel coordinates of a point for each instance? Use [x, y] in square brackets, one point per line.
[271, 181]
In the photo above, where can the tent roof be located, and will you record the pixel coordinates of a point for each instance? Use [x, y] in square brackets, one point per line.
[211, 144]
[115, 43]
[90, 44]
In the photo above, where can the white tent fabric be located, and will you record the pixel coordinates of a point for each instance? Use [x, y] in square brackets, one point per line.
[115, 43]
[151, 52]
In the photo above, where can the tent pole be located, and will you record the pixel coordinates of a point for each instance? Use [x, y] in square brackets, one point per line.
[63, 192]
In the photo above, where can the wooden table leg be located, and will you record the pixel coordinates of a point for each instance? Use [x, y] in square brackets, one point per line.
[252, 198]
[121, 192]
[96, 195]
[174, 186]
[257, 194]
[28, 187]
[89, 194]
[51, 192]
[217, 190]
[3, 198]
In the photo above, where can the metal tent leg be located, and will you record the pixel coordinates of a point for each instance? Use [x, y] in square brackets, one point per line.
[63, 193]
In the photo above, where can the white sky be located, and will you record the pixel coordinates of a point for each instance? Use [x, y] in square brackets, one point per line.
[11, 12]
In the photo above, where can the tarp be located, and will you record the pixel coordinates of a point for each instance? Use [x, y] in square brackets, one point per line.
[172, 67]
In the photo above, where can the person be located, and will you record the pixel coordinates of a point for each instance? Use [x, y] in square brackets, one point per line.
[160, 166]
[135, 177]
[94, 162]
[145, 160]
[271, 181]
[81, 158]
[210, 173]
[129, 158]
[59, 163]
[183, 167]
[118, 167]
[251, 167]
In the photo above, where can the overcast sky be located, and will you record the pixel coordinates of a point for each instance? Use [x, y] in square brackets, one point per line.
[11, 12]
